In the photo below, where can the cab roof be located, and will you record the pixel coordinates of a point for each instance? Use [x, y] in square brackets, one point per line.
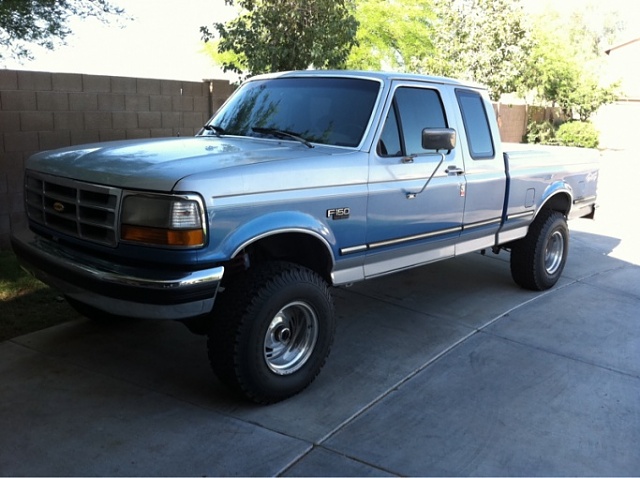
[383, 76]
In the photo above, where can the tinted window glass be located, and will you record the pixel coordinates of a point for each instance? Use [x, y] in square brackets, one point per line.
[390, 144]
[327, 110]
[413, 110]
[476, 124]
[418, 108]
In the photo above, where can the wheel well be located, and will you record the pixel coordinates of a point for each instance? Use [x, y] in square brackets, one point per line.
[299, 248]
[559, 202]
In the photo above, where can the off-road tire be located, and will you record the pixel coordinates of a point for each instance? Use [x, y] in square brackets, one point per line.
[248, 330]
[538, 259]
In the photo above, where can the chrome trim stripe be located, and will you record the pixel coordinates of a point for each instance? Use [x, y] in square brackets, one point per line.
[520, 215]
[401, 240]
[488, 222]
[417, 237]
[588, 199]
[310, 232]
[391, 242]
[354, 249]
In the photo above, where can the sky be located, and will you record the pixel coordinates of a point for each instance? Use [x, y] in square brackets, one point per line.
[162, 40]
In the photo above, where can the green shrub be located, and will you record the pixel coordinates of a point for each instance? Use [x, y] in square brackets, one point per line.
[542, 133]
[578, 133]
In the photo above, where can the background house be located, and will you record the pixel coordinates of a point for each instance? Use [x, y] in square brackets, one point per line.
[618, 122]
[624, 63]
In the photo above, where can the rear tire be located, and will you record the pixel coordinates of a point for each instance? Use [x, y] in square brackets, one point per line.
[538, 259]
[272, 331]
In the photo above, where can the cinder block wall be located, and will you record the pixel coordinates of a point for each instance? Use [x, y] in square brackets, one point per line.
[40, 111]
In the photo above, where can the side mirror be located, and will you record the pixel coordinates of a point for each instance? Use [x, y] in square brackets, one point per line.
[439, 138]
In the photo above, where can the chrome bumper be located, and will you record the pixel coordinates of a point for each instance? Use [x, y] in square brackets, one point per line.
[118, 289]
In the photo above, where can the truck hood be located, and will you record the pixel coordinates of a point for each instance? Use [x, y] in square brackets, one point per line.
[158, 164]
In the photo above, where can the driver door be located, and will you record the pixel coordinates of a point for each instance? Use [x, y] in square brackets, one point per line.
[408, 223]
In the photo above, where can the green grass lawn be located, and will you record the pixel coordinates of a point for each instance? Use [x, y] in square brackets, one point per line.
[26, 304]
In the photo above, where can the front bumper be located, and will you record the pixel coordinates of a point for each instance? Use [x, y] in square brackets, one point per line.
[115, 288]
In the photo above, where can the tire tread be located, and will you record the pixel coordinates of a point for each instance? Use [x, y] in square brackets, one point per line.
[526, 253]
[235, 311]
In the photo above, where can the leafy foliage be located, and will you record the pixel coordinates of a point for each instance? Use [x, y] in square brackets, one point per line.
[44, 22]
[392, 35]
[587, 97]
[279, 35]
[582, 134]
[541, 132]
[564, 66]
[578, 133]
[481, 40]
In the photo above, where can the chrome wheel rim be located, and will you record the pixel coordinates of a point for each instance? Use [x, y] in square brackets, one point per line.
[554, 253]
[290, 338]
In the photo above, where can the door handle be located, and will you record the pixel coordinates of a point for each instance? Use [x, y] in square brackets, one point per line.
[455, 171]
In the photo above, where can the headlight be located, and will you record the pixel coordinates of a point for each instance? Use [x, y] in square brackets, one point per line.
[162, 220]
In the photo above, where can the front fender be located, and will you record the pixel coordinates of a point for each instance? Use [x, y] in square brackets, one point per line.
[278, 223]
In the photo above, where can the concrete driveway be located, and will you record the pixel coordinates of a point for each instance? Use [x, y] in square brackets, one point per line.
[449, 369]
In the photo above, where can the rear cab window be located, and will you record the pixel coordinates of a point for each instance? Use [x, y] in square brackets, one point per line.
[476, 124]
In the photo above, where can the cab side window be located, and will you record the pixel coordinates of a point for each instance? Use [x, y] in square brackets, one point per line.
[476, 124]
[413, 109]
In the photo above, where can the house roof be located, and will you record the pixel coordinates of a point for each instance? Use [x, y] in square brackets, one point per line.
[622, 45]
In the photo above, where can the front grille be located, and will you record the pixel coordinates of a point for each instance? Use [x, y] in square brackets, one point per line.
[83, 210]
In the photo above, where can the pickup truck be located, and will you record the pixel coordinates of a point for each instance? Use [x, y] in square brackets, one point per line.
[300, 182]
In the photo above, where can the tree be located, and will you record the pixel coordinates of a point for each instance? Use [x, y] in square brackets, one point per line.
[279, 35]
[480, 40]
[392, 35]
[44, 22]
[565, 63]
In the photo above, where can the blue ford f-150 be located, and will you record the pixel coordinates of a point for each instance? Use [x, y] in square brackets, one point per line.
[301, 181]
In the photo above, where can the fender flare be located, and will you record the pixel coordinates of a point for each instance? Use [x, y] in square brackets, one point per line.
[275, 223]
[558, 196]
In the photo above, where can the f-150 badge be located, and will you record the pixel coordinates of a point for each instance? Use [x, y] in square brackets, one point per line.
[339, 213]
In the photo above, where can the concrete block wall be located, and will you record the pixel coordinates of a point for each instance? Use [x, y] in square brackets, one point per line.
[40, 111]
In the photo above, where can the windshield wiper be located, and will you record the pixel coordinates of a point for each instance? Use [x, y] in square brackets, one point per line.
[218, 131]
[278, 133]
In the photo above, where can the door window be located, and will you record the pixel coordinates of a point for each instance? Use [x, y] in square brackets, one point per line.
[413, 110]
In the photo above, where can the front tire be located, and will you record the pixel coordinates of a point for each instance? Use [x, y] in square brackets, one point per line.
[537, 260]
[272, 331]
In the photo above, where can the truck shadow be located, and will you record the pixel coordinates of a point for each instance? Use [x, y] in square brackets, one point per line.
[388, 329]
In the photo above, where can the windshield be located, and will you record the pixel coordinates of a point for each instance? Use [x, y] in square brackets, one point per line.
[324, 110]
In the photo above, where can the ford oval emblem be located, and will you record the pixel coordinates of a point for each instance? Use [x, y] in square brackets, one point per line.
[58, 206]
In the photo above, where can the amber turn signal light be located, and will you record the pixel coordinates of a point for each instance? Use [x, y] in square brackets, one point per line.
[163, 237]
